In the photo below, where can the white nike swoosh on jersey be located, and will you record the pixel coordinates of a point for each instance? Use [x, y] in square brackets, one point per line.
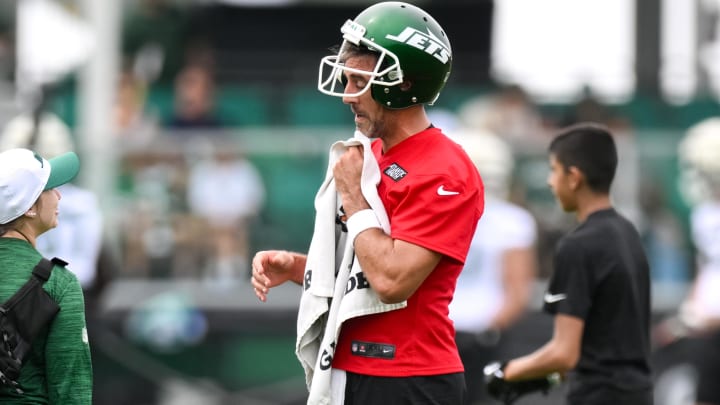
[552, 298]
[441, 191]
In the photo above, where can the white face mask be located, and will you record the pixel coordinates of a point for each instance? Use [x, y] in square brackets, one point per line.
[332, 71]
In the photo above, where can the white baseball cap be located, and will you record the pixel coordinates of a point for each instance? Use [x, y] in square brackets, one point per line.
[24, 175]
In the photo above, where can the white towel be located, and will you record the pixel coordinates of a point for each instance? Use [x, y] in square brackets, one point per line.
[325, 304]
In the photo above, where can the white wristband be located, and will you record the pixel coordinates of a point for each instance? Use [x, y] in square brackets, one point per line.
[361, 221]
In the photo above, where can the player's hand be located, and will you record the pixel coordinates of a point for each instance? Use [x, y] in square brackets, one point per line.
[509, 391]
[271, 268]
[347, 173]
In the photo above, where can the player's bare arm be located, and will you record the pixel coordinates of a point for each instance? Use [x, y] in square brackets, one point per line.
[271, 268]
[560, 354]
[394, 268]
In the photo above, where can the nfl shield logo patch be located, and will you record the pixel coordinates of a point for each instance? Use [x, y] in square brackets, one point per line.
[395, 172]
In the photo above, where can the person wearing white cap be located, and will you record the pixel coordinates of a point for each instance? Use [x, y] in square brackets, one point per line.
[58, 369]
[78, 237]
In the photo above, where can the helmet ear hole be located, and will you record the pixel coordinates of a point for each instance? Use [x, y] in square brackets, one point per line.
[405, 85]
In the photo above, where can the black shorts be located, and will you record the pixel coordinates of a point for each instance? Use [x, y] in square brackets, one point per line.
[614, 397]
[475, 354]
[445, 389]
[708, 365]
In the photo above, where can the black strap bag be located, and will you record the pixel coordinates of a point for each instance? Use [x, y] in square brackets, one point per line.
[22, 317]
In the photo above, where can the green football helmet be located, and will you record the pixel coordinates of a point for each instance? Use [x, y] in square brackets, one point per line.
[411, 46]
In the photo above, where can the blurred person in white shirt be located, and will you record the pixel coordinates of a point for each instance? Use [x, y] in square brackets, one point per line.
[226, 191]
[496, 283]
[699, 314]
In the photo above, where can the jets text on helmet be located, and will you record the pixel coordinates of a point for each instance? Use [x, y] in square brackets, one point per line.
[426, 42]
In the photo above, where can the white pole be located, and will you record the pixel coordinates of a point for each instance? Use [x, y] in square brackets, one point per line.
[97, 82]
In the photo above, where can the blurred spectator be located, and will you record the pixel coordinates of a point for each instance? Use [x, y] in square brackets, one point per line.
[78, 236]
[226, 191]
[495, 285]
[590, 109]
[699, 156]
[662, 236]
[509, 113]
[158, 179]
[134, 124]
[194, 106]
[7, 49]
[444, 118]
[164, 238]
[155, 36]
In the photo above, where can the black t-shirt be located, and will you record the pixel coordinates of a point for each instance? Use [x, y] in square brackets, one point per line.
[601, 275]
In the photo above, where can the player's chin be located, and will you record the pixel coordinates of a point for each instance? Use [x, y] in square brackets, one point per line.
[363, 127]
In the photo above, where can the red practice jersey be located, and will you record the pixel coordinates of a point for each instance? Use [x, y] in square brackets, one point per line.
[433, 196]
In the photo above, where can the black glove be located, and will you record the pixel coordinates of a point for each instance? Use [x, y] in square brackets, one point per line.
[509, 391]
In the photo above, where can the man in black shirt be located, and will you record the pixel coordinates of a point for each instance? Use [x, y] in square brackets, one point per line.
[599, 292]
